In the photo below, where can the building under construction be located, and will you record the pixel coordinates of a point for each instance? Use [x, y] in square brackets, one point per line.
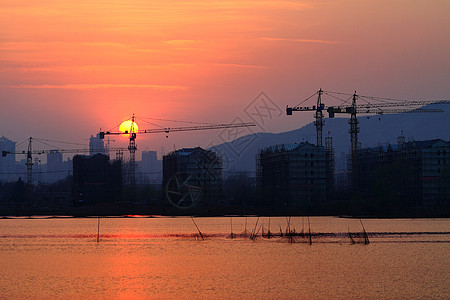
[192, 177]
[298, 175]
[414, 173]
[96, 180]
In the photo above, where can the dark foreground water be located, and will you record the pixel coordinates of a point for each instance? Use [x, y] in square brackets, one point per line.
[165, 258]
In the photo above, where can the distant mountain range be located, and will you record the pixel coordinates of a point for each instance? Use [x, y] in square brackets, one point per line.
[240, 154]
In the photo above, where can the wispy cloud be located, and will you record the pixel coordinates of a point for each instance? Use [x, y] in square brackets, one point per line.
[24, 67]
[181, 42]
[240, 66]
[27, 45]
[97, 86]
[300, 40]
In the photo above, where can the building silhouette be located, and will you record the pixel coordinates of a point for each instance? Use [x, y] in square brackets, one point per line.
[150, 168]
[7, 162]
[55, 166]
[197, 172]
[96, 180]
[409, 174]
[96, 145]
[294, 175]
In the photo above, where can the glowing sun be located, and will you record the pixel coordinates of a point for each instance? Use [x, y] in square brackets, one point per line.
[125, 127]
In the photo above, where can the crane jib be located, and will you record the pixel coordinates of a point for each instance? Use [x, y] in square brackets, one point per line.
[177, 129]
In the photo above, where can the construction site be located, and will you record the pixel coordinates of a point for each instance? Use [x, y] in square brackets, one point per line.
[299, 175]
[406, 177]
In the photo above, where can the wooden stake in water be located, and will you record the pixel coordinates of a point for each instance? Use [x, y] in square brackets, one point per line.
[288, 225]
[231, 228]
[98, 229]
[245, 227]
[201, 235]
[253, 234]
[366, 236]
[352, 241]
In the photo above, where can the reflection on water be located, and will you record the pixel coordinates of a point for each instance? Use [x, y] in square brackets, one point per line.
[165, 258]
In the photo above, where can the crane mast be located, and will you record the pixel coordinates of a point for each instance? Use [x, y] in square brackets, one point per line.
[29, 163]
[319, 118]
[132, 148]
[319, 121]
[354, 130]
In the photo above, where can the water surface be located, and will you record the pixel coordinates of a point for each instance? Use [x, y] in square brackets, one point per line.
[166, 258]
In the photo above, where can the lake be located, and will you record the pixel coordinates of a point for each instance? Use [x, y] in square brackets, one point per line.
[161, 257]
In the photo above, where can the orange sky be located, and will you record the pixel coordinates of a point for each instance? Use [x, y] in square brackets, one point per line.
[69, 68]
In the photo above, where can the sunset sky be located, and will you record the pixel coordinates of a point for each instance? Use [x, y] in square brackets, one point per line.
[69, 68]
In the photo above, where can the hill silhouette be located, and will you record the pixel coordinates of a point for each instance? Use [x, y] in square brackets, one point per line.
[240, 155]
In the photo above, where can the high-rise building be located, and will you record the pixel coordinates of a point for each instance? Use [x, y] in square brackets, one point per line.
[96, 145]
[435, 172]
[55, 166]
[192, 175]
[296, 175]
[150, 167]
[7, 162]
[415, 173]
[96, 179]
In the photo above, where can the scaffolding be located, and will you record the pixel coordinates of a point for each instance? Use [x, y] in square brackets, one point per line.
[295, 174]
[425, 165]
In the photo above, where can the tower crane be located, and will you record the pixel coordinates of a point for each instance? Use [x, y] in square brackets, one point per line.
[319, 122]
[29, 163]
[388, 106]
[385, 106]
[133, 132]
